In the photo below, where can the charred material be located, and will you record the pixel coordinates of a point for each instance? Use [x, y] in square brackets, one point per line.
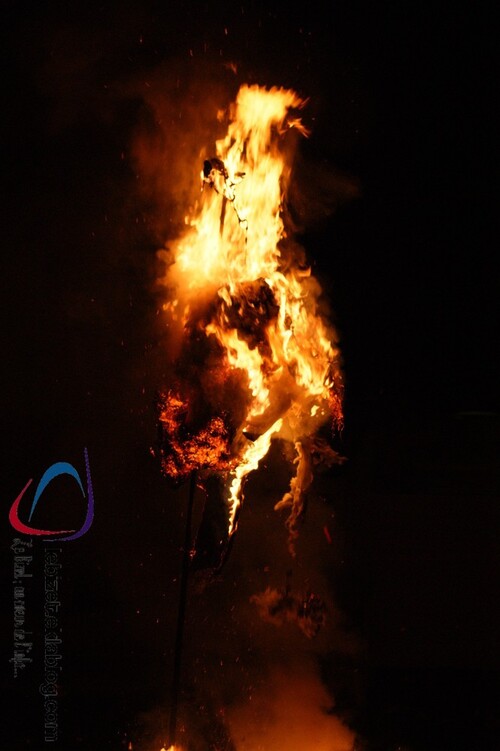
[281, 606]
[211, 539]
[199, 416]
[250, 311]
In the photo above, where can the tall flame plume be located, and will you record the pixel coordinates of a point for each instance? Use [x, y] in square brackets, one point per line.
[261, 361]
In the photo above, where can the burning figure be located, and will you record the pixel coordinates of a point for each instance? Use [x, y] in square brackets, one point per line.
[258, 361]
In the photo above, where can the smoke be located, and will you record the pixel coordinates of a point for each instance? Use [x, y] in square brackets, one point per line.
[252, 683]
[180, 121]
[292, 710]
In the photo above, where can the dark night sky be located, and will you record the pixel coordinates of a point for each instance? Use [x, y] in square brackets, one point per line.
[403, 107]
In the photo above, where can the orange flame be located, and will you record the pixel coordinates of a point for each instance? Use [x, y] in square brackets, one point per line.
[236, 261]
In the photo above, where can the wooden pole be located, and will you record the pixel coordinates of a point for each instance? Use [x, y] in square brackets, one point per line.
[181, 613]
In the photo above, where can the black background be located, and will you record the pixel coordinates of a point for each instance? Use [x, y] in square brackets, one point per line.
[403, 100]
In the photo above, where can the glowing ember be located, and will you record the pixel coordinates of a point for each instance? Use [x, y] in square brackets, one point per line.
[187, 451]
[259, 361]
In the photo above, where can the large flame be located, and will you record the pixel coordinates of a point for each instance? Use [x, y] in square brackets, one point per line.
[242, 284]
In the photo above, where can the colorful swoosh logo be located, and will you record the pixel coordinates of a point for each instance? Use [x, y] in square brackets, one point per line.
[55, 470]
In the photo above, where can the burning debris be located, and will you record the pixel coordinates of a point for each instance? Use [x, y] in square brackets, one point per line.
[186, 449]
[278, 607]
[258, 360]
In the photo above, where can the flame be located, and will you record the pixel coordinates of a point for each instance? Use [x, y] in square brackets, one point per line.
[239, 281]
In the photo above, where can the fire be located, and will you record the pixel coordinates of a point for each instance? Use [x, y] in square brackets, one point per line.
[248, 309]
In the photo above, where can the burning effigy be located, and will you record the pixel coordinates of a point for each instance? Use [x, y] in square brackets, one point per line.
[259, 361]
[251, 380]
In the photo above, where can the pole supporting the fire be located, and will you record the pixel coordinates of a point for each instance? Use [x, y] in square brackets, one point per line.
[181, 613]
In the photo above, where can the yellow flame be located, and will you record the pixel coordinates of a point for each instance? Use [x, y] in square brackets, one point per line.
[249, 461]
